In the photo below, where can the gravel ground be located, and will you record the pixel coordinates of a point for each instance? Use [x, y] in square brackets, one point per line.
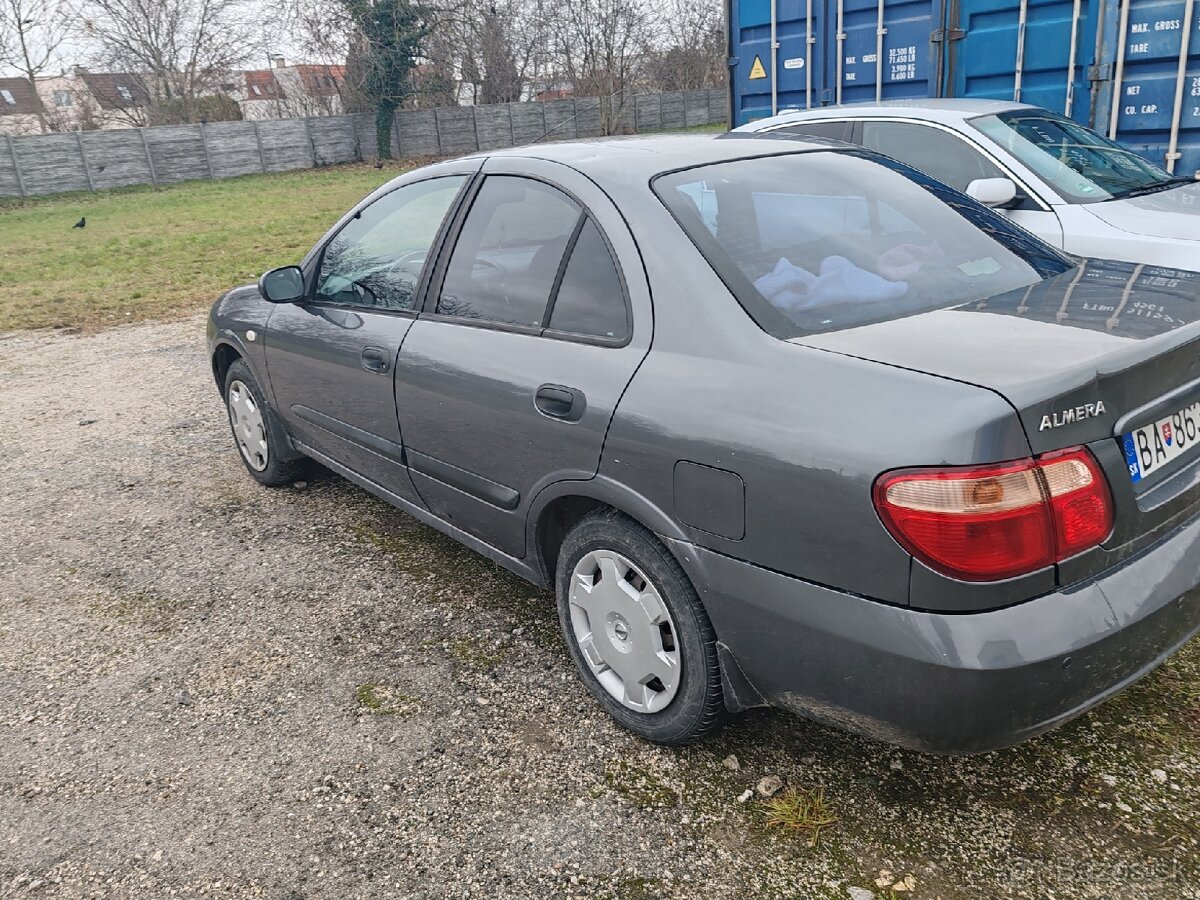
[210, 688]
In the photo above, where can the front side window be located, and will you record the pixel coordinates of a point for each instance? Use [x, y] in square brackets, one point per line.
[1083, 166]
[944, 156]
[377, 258]
[824, 240]
[505, 264]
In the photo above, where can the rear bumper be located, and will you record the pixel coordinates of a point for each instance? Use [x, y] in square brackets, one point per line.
[951, 683]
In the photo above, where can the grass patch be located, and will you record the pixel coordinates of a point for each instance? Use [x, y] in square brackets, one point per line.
[162, 253]
[383, 701]
[476, 654]
[799, 810]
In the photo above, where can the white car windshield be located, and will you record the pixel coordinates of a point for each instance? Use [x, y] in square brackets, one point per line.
[1081, 165]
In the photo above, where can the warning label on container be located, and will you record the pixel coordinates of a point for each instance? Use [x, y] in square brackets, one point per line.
[757, 71]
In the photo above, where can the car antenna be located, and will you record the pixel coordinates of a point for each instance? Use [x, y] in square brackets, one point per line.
[550, 131]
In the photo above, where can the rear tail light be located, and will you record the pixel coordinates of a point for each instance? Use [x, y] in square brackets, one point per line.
[985, 523]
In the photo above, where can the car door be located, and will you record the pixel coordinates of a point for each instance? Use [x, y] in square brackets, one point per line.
[331, 358]
[536, 320]
[951, 159]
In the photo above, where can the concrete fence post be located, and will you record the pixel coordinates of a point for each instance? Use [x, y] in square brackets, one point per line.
[512, 134]
[437, 131]
[149, 157]
[207, 156]
[12, 151]
[87, 169]
[475, 127]
[262, 158]
[397, 134]
[312, 144]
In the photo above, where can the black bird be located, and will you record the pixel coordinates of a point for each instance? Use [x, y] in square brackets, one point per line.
[379, 165]
[82, 223]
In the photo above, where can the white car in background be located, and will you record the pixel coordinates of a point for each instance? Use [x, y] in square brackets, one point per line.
[1060, 180]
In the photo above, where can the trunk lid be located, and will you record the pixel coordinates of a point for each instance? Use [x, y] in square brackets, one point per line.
[1082, 357]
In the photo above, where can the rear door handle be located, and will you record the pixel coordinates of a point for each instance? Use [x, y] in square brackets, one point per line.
[374, 360]
[560, 402]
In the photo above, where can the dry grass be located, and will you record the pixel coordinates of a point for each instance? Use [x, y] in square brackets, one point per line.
[800, 810]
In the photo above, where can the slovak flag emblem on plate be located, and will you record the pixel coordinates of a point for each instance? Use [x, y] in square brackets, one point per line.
[1166, 431]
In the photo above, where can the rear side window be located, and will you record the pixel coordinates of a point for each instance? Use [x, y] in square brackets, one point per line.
[508, 254]
[590, 299]
[838, 131]
[944, 156]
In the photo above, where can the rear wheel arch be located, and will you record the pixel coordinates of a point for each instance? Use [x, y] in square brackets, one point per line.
[561, 506]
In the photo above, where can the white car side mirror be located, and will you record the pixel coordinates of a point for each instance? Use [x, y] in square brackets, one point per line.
[993, 192]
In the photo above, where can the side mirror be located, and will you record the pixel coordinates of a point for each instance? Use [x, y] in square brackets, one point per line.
[998, 193]
[282, 285]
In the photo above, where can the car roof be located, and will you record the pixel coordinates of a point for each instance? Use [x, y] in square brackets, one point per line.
[938, 109]
[641, 157]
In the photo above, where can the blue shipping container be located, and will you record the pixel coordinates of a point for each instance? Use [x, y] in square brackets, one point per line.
[1128, 68]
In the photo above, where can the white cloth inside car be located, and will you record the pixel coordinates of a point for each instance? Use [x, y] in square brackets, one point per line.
[792, 289]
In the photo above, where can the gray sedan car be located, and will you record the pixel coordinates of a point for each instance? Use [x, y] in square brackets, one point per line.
[781, 423]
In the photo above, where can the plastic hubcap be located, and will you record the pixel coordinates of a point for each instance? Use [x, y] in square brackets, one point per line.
[249, 429]
[624, 631]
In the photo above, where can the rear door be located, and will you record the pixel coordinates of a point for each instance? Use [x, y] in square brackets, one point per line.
[537, 318]
[331, 358]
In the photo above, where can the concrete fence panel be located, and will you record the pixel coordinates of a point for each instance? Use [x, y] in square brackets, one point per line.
[718, 105]
[456, 130]
[177, 153]
[233, 149]
[673, 114]
[333, 140]
[116, 158]
[695, 108]
[560, 119]
[285, 145]
[528, 122]
[10, 181]
[418, 129]
[95, 160]
[51, 163]
[587, 118]
[364, 134]
[494, 126]
[647, 112]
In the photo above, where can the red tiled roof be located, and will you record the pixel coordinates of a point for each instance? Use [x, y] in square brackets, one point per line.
[17, 98]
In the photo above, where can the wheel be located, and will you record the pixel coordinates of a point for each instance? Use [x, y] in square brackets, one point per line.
[256, 431]
[637, 631]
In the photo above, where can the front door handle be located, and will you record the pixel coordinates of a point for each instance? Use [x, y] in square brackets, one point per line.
[560, 402]
[374, 360]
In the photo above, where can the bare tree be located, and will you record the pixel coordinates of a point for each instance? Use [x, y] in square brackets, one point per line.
[30, 34]
[691, 49]
[599, 46]
[183, 49]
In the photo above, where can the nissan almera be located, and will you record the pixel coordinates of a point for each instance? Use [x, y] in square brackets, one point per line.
[780, 423]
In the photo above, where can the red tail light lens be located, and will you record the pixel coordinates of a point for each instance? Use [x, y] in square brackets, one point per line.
[991, 522]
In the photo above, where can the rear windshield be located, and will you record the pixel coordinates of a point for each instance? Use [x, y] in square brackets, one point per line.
[823, 240]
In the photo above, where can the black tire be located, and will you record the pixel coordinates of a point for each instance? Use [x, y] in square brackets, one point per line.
[282, 467]
[698, 707]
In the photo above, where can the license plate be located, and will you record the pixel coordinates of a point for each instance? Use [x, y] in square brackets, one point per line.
[1151, 448]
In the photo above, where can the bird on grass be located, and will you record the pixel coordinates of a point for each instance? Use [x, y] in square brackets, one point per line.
[82, 223]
